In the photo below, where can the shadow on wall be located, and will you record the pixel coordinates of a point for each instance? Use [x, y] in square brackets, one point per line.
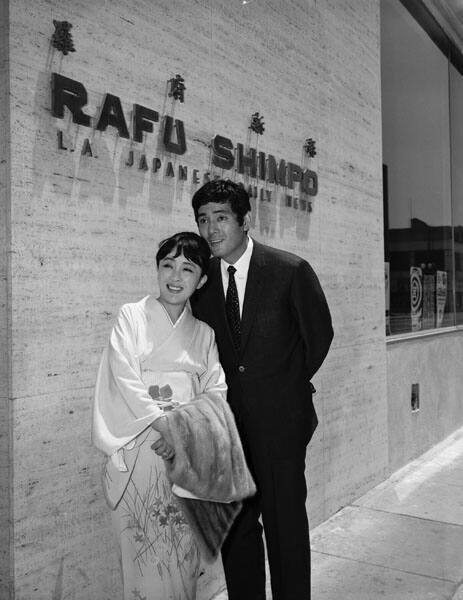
[270, 213]
[276, 214]
[68, 167]
[75, 163]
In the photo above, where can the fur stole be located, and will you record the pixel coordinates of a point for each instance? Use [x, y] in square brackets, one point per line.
[209, 462]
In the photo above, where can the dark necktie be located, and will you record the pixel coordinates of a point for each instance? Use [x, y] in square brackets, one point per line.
[232, 307]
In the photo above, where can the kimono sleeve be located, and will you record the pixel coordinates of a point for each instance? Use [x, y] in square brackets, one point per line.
[122, 406]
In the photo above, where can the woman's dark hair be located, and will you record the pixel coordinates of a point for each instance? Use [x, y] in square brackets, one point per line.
[188, 243]
[223, 190]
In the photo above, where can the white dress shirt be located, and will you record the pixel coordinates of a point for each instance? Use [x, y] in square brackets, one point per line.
[241, 275]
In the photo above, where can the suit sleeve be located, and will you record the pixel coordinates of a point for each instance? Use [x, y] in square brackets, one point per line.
[313, 316]
[213, 379]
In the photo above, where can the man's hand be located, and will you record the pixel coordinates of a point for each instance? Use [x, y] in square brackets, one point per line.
[160, 446]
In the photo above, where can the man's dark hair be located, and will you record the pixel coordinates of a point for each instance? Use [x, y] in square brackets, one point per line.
[188, 243]
[223, 190]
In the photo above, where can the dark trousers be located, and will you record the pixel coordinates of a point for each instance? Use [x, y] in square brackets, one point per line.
[281, 500]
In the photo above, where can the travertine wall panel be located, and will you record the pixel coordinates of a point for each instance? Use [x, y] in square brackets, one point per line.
[59, 554]
[435, 364]
[5, 430]
[85, 229]
[349, 452]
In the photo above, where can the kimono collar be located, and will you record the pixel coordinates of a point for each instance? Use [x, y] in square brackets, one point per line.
[178, 321]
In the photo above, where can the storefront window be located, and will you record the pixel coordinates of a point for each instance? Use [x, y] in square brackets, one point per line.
[422, 220]
[456, 129]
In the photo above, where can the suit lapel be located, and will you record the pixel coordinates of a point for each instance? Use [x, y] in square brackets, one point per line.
[215, 285]
[216, 304]
[252, 294]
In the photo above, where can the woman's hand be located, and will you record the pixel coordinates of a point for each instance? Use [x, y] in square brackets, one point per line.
[160, 446]
[163, 449]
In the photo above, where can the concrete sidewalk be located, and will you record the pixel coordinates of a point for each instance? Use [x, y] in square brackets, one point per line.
[402, 540]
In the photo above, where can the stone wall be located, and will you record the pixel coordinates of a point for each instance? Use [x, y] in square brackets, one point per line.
[84, 230]
[5, 456]
[434, 362]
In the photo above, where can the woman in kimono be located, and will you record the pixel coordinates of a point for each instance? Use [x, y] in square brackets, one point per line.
[158, 356]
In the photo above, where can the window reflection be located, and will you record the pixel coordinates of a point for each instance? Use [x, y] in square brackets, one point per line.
[456, 128]
[423, 188]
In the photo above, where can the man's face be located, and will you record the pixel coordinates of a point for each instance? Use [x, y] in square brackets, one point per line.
[219, 226]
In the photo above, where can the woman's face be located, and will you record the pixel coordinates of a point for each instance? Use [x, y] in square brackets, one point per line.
[178, 278]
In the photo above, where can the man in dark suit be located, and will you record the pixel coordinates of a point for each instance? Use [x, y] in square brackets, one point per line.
[273, 330]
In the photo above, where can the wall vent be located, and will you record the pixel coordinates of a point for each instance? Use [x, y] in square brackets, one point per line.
[415, 397]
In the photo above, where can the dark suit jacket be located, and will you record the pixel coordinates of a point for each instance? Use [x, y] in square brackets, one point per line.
[286, 334]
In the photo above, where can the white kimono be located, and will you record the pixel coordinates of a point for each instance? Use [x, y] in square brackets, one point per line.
[149, 366]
